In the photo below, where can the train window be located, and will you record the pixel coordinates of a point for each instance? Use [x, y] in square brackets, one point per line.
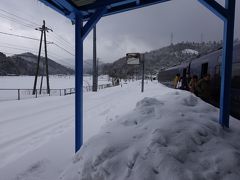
[218, 70]
[236, 69]
[236, 76]
[220, 59]
[204, 69]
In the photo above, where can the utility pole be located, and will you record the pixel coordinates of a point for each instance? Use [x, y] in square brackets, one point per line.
[95, 64]
[171, 38]
[143, 70]
[40, 92]
[43, 30]
[201, 37]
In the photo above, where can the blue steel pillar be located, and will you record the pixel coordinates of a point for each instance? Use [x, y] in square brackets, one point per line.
[226, 75]
[227, 14]
[78, 81]
[81, 33]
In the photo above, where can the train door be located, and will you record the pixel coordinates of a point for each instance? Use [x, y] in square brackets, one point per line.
[184, 72]
[204, 69]
[189, 69]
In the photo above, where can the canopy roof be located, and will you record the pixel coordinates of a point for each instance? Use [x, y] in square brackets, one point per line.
[88, 7]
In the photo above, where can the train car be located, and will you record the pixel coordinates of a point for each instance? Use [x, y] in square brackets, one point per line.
[210, 63]
[167, 76]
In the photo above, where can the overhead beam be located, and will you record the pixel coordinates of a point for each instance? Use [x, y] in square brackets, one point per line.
[65, 4]
[68, 9]
[60, 8]
[133, 5]
[56, 7]
[93, 21]
[99, 4]
[215, 7]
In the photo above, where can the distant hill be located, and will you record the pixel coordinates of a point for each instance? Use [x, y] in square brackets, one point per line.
[26, 63]
[161, 58]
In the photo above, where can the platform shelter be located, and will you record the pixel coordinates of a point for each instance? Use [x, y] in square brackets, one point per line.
[91, 11]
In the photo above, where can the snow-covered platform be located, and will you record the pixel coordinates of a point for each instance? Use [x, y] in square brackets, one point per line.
[170, 135]
[159, 134]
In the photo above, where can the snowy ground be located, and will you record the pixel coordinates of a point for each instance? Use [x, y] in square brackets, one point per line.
[9, 86]
[56, 82]
[159, 134]
[26, 82]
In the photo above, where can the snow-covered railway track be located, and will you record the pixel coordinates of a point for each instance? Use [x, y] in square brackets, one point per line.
[33, 114]
[32, 124]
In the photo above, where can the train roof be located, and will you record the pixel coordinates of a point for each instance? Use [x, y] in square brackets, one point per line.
[182, 65]
[206, 57]
[200, 59]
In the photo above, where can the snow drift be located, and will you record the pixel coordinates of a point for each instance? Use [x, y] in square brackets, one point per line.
[175, 136]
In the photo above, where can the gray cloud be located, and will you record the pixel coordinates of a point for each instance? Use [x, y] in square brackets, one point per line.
[139, 30]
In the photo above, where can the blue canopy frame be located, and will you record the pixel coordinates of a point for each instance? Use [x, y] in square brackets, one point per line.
[91, 11]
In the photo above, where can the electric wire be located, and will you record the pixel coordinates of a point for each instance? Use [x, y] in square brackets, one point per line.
[30, 24]
[13, 20]
[51, 55]
[52, 38]
[57, 37]
[21, 36]
[63, 40]
[27, 37]
[17, 48]
[24, 19]
[63, 49]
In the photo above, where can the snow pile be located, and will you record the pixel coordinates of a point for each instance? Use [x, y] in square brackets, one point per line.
[173, 136]
[190, 51]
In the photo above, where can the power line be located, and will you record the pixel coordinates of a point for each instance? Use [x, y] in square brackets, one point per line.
[60, 43]
[62, 61]
[34, 51]
[31, 38]
[63, 49]
[17, 48]
[60, 38]
[16, 21]
[22, 48]
[31, 25]
[31, 22]
[21, 36]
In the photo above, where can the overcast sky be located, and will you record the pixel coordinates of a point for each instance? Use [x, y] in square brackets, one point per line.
[139, 30]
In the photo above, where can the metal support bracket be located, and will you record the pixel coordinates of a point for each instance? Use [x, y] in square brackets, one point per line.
[215, 7]
[93, 21]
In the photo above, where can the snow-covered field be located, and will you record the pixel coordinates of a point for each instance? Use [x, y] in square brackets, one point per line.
[9, 86]
[159, 134]
[56, 82]
[26, 82]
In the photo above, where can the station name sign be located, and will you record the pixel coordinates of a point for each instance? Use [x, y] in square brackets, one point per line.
[133, 58]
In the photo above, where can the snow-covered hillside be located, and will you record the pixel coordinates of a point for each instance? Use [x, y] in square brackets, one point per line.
[159, 134]
[190, 51]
